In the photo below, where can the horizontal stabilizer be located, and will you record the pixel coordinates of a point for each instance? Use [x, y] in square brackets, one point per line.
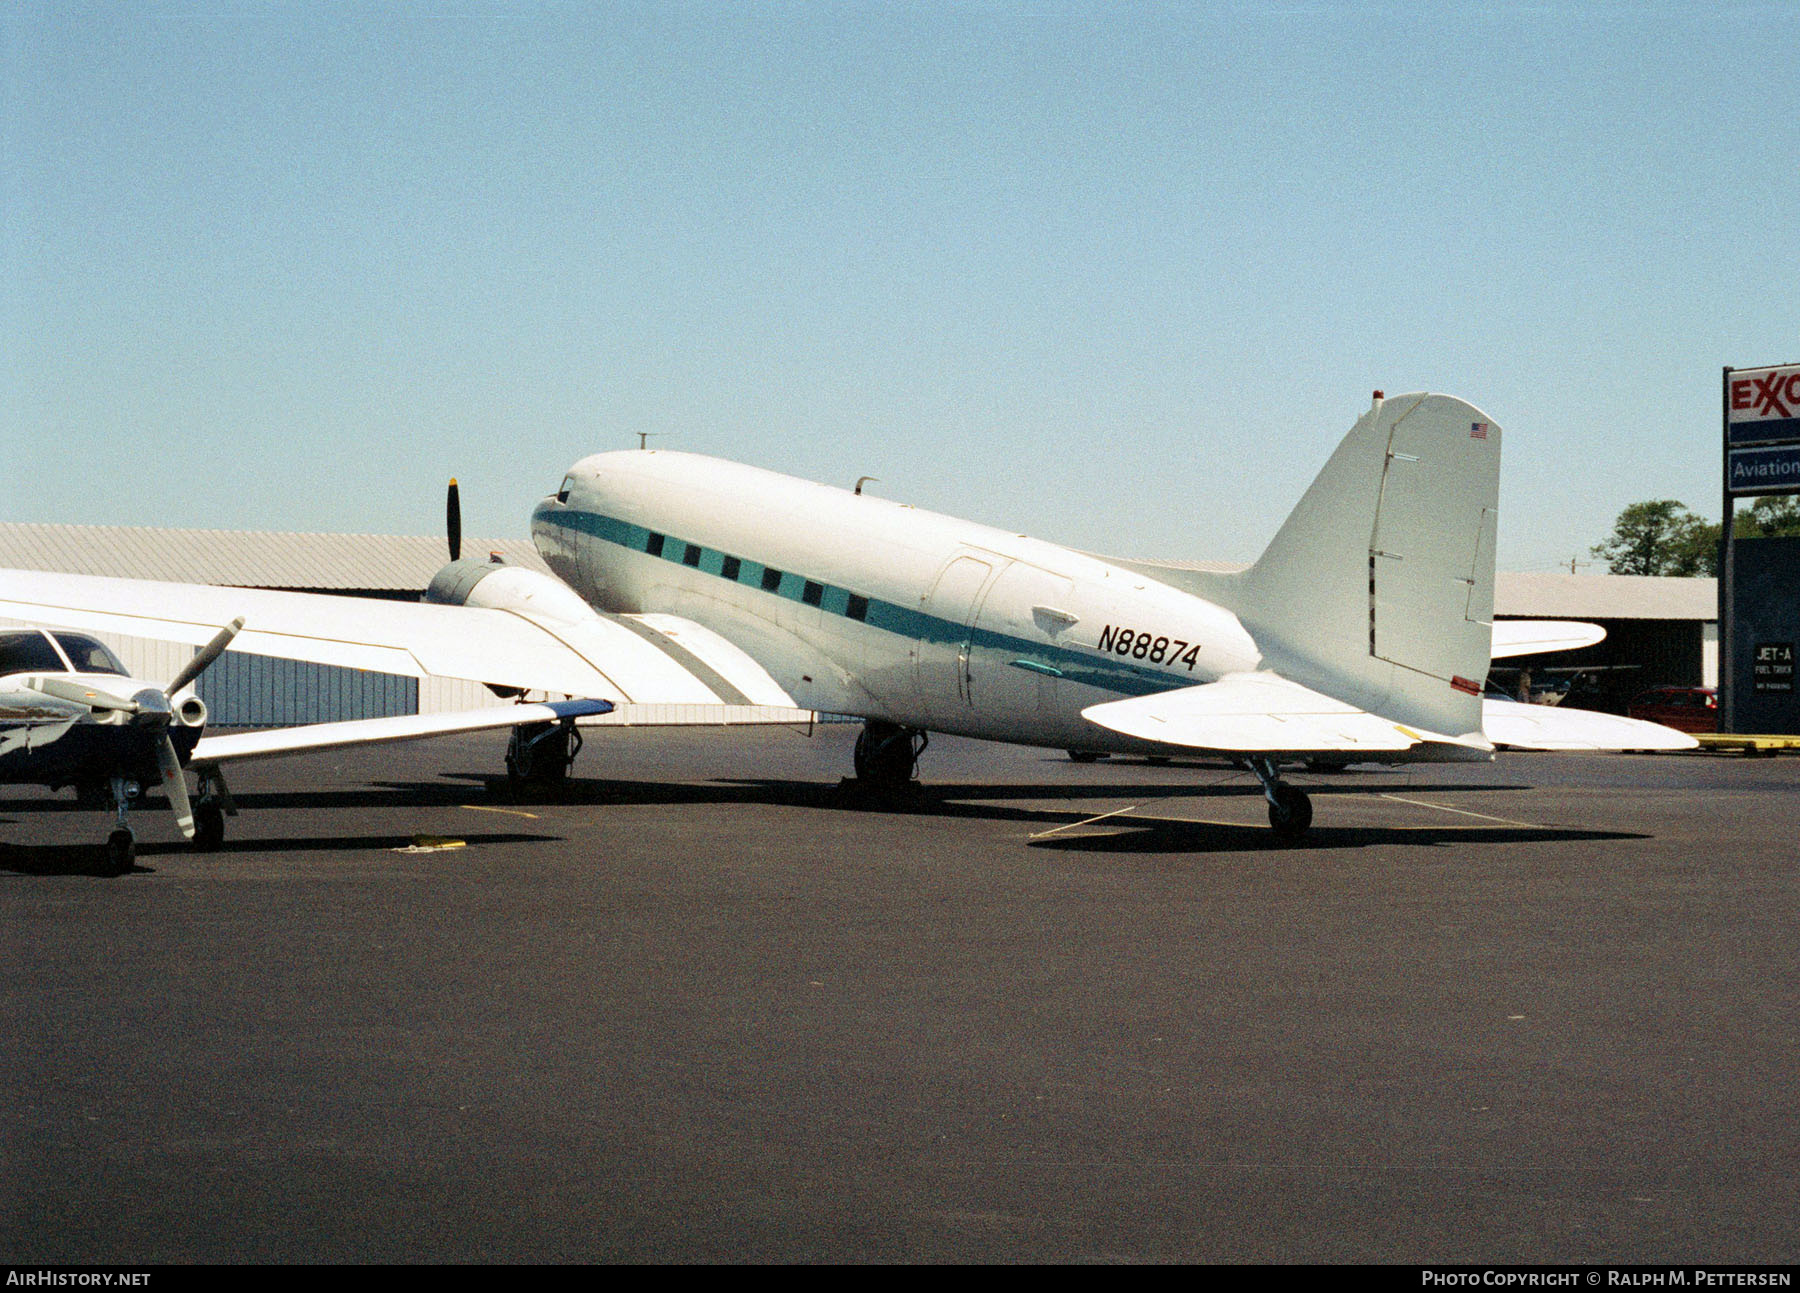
[213, 750]
[1535, 637]
[1552, 727]
[1254, 713]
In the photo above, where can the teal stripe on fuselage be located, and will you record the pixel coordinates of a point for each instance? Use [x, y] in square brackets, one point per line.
[1089, 668]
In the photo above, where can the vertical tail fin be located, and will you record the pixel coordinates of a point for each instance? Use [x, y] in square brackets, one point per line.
[1379, 587]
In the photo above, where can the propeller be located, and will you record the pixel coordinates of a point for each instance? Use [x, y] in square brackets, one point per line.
[453, 519]
[82, 694]
[151, 708]
[206, 655]
[175, 785]
[167, 761]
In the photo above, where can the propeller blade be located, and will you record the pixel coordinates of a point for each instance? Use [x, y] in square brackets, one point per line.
[175, 785]
[453, 519]
[208, 653]
[82, 694]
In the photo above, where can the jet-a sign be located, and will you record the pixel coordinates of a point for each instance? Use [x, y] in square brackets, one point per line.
[1762, 405]
[1773, 669]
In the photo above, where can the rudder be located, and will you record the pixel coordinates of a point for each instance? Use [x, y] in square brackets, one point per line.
[1379, 586]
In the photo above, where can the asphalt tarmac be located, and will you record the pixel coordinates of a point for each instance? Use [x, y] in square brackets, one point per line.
[704, 1007]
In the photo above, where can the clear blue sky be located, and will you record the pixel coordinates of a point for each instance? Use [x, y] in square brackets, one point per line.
[1115, 274]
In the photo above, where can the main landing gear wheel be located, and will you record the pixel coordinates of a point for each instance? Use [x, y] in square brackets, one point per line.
[121, 852]
[539, 754]
[209, 828]
[886, 754]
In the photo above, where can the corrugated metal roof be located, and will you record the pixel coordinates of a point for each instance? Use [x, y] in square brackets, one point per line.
[1606, 597]
[244, 558]
[406, 562]
[1573, 597]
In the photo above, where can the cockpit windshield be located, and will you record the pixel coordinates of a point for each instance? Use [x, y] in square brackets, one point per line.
[87, 655]
[29, 651]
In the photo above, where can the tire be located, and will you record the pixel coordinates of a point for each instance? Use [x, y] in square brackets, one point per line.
[209, 828]
[884, 755]
[1291, 813]
[537, 763]
[1083, 756]
[121, 853]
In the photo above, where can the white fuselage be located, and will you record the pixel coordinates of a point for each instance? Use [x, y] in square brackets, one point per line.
[863, 606]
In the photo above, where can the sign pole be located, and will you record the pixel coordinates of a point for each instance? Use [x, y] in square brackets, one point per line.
[1727, 519]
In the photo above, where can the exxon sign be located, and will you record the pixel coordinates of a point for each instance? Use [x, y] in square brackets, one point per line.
[1762, 405]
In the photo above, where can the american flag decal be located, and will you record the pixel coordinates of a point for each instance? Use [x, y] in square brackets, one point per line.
[1477, 430]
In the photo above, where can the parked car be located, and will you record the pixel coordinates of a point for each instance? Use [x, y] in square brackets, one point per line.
[1686, 709]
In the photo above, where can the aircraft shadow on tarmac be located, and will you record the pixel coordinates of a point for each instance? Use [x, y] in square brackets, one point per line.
[89, 858]
[1126, 835]
[961, 799]
[988, 802]
[969, 800]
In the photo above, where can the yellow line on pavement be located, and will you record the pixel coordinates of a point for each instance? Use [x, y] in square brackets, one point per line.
[1072, 825]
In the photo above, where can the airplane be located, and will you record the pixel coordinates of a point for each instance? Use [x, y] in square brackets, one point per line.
[70, 715]
[1363, 633]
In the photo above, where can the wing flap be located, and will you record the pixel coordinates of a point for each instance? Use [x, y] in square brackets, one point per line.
[1258, 713]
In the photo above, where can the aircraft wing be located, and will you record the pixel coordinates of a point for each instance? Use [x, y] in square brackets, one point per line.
[1535, 637]
[627, 659]
[210, 751]
[1252, 713]
[1552, 727]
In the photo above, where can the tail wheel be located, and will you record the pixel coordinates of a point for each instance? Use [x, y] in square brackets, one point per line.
[1290, 812]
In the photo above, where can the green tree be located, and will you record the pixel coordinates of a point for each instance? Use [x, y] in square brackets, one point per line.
[1660, 538]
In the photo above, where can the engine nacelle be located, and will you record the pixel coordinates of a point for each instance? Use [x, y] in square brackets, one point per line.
[190, 711]
[495, 584]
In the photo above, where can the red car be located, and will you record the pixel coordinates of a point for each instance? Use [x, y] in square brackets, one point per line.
[1686, 709]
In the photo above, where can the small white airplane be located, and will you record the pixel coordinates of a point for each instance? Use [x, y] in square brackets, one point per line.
[1364, 632]
[71, 716]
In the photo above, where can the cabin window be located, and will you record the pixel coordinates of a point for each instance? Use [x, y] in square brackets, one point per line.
[771, 580]
[730, 568]
[692, 556]
[653, 545]
[858, 607]
[87, 655]
[28, 651]
[812, 594]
